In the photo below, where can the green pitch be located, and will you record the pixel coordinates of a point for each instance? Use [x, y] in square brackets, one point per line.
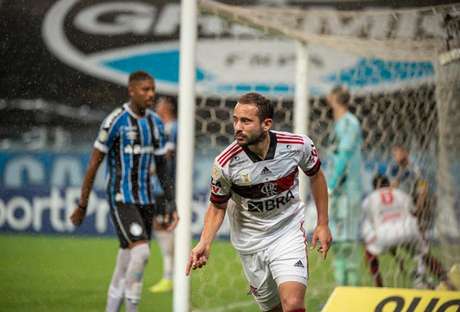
[57, 273]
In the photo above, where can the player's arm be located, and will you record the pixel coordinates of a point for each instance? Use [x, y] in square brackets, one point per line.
[311, 166]
[105, 139]
[421, 197]
[80, 211]
[213, 219]
[320, 196]
[167, 183]
[215, 214]
[161, 146]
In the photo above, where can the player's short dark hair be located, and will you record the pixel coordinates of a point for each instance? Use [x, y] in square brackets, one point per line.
[139, 76]
[264, 105]
[379, 181]
[172, 104]
[342, 95]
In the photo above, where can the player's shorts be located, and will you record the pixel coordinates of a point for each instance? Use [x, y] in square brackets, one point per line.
[391, 235]
[132, 222]
[284, 261]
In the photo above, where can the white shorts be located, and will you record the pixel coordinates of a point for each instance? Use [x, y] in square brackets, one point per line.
[390, 235]
[284, 261]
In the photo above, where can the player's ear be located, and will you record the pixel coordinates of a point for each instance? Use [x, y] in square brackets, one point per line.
[267, 124]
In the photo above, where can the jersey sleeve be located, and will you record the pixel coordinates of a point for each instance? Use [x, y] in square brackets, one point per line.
[220, 185]
[108, 132]
[159, 137]
[309, 161]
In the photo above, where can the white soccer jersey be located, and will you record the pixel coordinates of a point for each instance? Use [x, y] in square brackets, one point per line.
[264, 193]
[388, 220]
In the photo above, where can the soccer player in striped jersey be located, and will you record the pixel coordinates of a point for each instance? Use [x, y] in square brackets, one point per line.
[166, 109]
[132, 138]
[255, 180]
[345, 186]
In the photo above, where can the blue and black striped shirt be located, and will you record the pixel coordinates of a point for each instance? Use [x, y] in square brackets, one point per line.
[130, 142]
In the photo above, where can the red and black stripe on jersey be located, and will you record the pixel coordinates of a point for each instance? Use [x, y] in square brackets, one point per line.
[231, 151]
[257, 191]
[288, 138]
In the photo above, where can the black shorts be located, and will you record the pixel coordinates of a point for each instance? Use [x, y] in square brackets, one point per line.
[132, 222]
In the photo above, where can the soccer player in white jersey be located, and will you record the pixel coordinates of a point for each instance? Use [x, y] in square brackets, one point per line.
[255, 180]
[388, 222]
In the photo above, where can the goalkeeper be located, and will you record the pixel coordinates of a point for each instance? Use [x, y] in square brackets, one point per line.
[345, 186]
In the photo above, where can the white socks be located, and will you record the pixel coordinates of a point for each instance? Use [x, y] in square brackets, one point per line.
[135, 275]
[116, 288]
[166, 242]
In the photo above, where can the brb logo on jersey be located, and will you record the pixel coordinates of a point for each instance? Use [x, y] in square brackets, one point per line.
[270, 204]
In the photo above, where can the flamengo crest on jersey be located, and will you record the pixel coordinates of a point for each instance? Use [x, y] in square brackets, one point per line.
[264, 192]
[130, 143]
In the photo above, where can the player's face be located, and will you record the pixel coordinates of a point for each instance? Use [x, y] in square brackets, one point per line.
[400, 155]
[142, 93]
[331, 100]
[247, 126]
[161, 109]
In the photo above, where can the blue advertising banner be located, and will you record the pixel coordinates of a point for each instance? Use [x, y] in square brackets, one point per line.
[38, 192]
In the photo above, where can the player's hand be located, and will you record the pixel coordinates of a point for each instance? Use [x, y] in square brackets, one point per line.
[323, 234]
[78, 215]
[198, 257]
[172, 222]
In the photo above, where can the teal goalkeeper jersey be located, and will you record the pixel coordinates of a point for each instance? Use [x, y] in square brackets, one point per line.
[344, 157]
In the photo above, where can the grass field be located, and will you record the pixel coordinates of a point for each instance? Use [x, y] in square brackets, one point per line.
[57, 273]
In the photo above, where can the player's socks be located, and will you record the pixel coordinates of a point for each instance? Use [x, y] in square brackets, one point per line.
[352, 277]
[435, 266]
[340, 271]
[131, 305]
[166, 242]
[135, 274]
[373, 263]
[116, 288]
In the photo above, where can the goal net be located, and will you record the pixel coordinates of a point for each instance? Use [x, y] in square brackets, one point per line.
[387, 58]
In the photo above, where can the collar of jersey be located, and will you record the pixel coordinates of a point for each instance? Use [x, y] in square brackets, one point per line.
[128, 109]
[271, 150]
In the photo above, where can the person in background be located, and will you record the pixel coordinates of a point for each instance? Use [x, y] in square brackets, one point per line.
[345, 186]
[167, 111]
